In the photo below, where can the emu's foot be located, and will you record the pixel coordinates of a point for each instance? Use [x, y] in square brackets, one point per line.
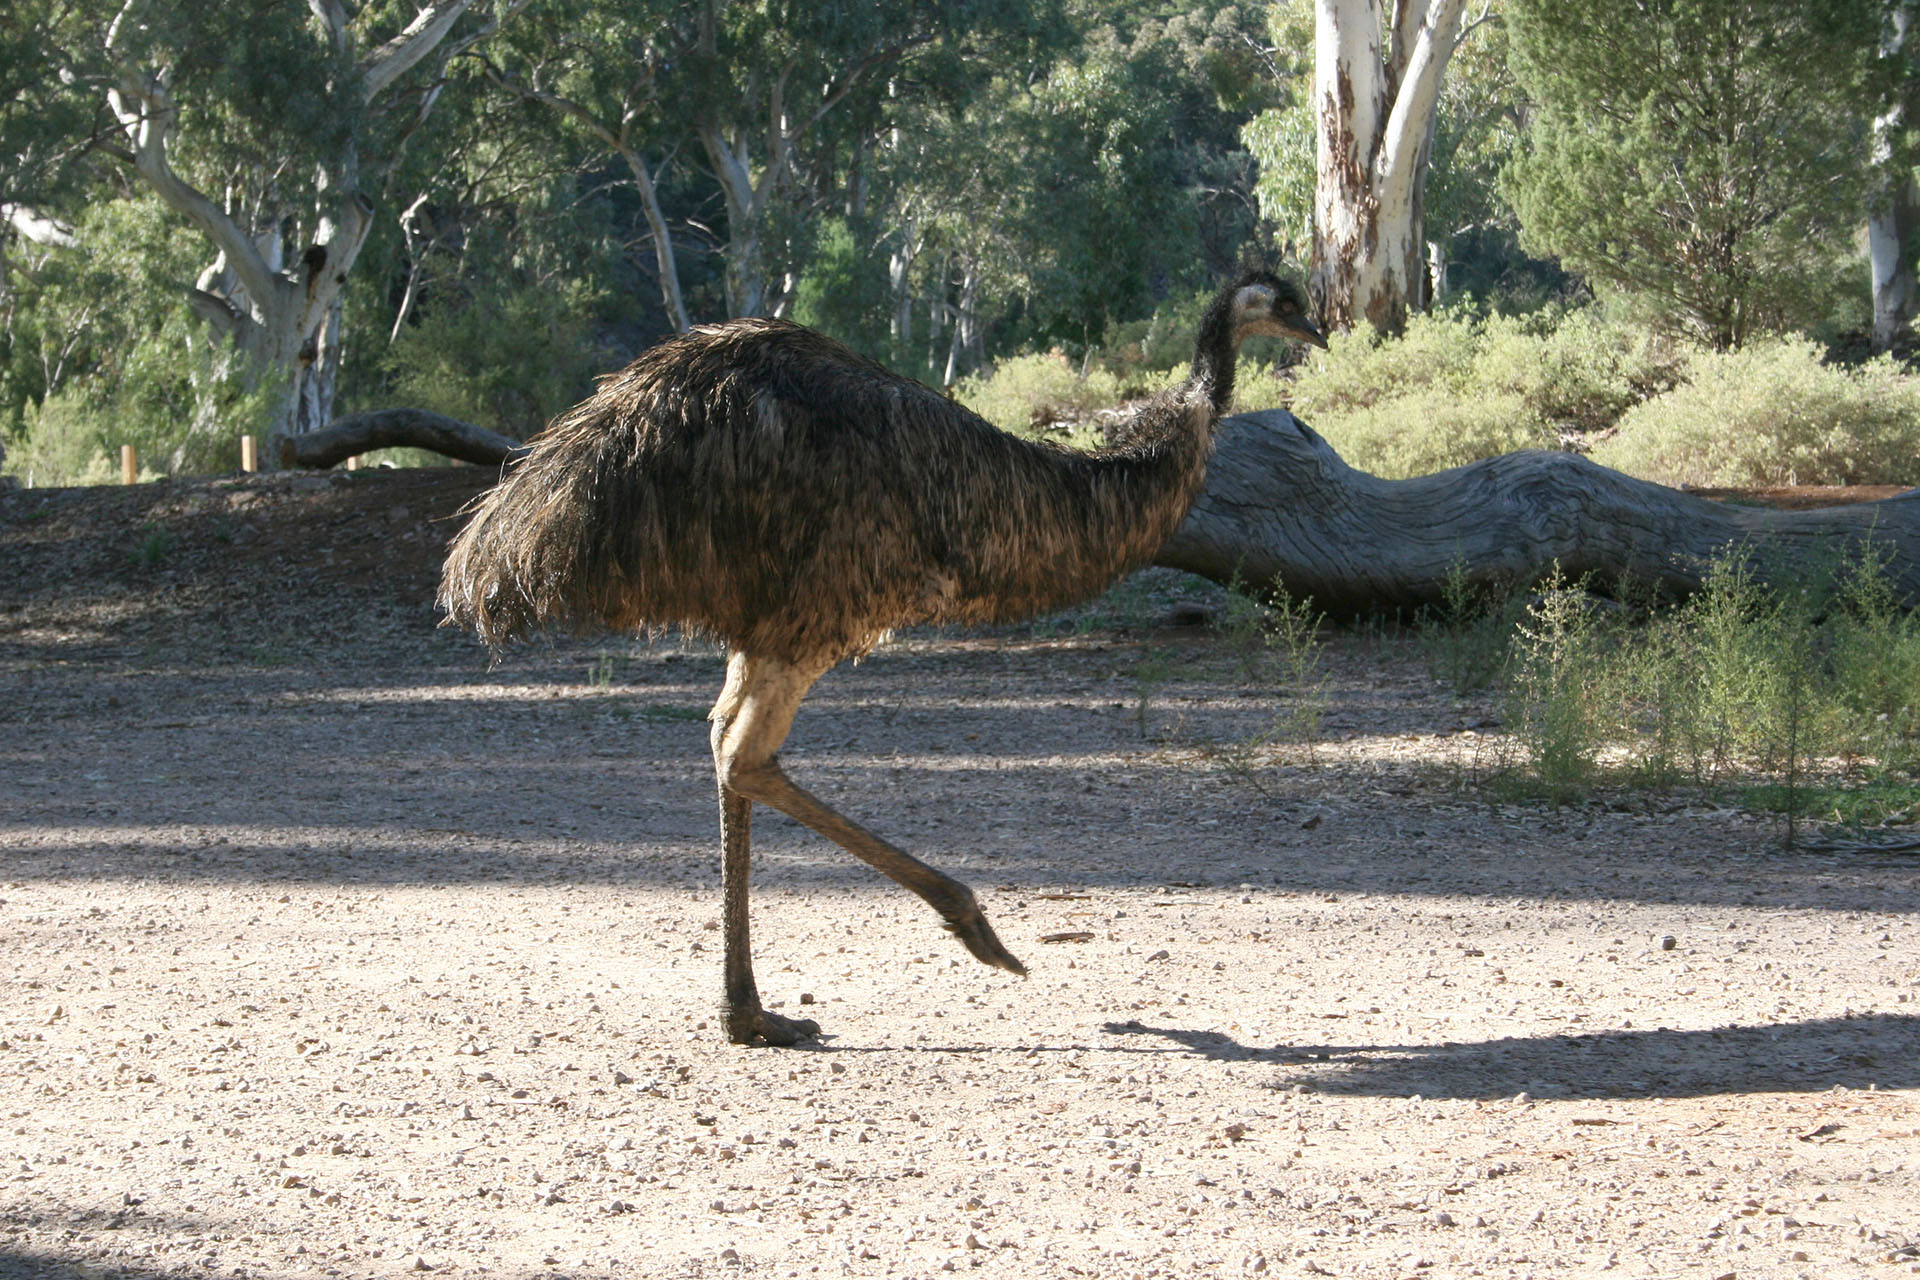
[757, 1026]
[971, 927]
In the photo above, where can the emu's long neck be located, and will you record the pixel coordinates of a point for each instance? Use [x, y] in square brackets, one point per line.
[1143, 489]
[1214, 355]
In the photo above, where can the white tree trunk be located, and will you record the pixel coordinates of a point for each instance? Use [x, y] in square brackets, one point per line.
[746, 200]
[1894, 216]
[1374, 116]
[620, 138]
[284, 317]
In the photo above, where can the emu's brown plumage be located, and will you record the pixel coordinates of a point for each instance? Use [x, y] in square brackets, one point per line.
[762, 484]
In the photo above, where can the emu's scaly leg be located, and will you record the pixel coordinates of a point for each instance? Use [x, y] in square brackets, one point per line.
[750, 721]
[747, 1022]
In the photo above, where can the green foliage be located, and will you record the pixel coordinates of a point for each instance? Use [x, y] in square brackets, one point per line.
[507, 355]
[843, 292]
[1577, 371]
[1774, 414]
[1812, 675]
[1553, 694]
[1711, 165]
[1274, 637]
[103, 352]
[1028, 391]
[1412, 405]
[1469, 636]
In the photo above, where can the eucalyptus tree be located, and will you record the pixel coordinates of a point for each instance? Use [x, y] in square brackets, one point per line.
[270, 127]
[1369, 122]
[1893, 207]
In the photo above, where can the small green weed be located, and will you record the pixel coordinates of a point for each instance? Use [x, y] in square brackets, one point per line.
[1275, 640]
[1469, 637]
[1869, 802]
[1150, 674]
[152, 549]
[1799, 688]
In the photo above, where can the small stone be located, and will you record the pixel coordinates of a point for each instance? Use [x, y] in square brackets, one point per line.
[806, 997]
[1669, 942]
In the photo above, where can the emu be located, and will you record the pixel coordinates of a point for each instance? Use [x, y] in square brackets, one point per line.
[761, 484]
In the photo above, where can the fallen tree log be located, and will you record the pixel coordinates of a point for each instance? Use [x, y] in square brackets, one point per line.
[359, 433]
[1280, 504]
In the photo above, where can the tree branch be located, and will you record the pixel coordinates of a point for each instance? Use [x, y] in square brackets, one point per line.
[401, 54]
[1409, 119]
[30, 224]
[147, 115]
[359, 433]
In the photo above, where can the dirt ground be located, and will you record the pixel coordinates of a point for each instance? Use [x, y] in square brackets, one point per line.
[328, 951]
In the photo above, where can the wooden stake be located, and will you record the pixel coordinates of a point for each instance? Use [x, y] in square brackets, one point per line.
[129, 465]
[249, 454]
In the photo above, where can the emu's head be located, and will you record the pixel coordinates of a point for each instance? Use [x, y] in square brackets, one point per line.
[1271, 307]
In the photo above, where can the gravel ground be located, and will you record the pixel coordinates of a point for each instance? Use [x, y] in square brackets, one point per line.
[329, 952]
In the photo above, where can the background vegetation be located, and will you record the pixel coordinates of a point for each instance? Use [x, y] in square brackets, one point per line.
[1650, 252]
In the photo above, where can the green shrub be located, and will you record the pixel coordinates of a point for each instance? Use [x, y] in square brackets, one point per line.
[1456, 388]
[1426, 431]
[1361, 369]
[1158, 343]
[1771, 414]
[507, 357]
[63, 443]
[1022, 392]
[1581, 373]
[1812, 679]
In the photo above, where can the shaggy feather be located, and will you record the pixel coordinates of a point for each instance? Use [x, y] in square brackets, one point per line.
[767, 486]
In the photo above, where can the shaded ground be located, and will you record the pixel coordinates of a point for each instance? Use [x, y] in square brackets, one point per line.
[328, 952]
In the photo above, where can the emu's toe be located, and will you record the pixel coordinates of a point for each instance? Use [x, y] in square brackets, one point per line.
[757, 1026]
[978, 936]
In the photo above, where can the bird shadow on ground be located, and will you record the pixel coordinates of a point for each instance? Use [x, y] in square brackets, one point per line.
[1866, 1050]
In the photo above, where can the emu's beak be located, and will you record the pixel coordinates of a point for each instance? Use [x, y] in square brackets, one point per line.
[1301, 331]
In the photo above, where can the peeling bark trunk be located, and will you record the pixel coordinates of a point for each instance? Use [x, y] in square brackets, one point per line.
[1280, 504]
[1376, 91]
[1894, 217]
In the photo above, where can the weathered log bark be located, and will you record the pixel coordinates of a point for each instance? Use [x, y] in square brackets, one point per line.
[394, 429]
[1280, 504]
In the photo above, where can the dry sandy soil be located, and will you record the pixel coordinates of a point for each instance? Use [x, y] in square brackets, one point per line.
[329, 952]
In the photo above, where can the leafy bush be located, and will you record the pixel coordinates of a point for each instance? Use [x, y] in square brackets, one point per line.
[1161, 341]
[1815, 675]
[1456, 388]
[507, 357]
[1023, 392]
[1582, 372]
[1426, 431]
[1362, 369]
[104, 353]
[1770, 414]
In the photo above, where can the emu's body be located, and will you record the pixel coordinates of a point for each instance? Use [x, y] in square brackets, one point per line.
[765, 485]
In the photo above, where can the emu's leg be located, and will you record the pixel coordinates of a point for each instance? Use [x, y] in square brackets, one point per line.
[750, 721]
[747, 1022]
